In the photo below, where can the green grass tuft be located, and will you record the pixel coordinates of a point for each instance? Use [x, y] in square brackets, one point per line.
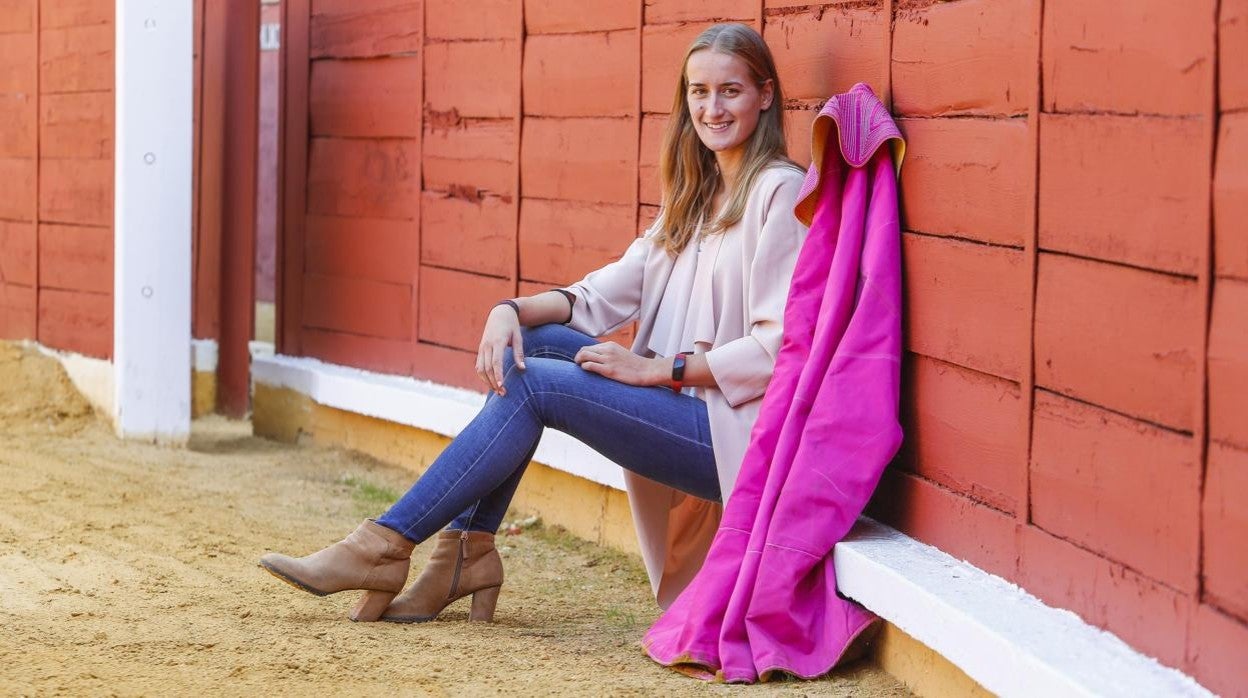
[370, 497]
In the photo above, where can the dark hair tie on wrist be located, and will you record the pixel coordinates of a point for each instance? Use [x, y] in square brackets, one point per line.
[571, 301]
[514, 306]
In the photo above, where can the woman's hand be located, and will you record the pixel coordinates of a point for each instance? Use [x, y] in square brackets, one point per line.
[502, 330]
[617, 363]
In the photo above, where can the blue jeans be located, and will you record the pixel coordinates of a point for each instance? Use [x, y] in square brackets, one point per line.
[652, 431]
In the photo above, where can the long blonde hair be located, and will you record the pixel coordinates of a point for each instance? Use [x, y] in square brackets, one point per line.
[687, 168]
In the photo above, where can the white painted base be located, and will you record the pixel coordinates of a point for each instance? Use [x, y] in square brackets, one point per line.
[1001, 636]
[1006, 639]
[91, 376]
[437, 408]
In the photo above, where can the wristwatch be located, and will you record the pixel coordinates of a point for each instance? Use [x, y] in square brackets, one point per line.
[678, 372]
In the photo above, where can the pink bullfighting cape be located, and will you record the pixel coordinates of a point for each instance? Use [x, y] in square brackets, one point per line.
[766, 600]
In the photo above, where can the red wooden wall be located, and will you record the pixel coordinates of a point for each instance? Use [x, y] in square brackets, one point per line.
[1076, 255]
[56, 173]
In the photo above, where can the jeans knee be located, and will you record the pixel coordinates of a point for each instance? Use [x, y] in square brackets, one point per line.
[539, 335]
[552, 340]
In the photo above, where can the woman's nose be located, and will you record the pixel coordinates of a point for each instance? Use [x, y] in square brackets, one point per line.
[714, 106]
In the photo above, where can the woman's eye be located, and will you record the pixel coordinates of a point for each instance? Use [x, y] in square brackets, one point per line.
[731, 92]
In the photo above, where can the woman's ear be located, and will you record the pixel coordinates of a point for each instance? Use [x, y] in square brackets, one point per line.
[768, 89]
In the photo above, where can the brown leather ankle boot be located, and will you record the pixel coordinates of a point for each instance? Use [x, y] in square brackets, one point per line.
[462, 563]
[373, 558]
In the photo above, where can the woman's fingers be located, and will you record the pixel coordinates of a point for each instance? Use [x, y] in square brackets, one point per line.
[484, 359]
[517, 347]
[497, 371]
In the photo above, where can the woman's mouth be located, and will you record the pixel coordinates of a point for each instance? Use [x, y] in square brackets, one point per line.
[716, 128]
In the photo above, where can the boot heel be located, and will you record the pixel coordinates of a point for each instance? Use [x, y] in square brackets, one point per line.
[371, 605]
[483, 602]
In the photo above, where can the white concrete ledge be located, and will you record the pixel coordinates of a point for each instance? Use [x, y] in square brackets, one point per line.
[1001, 636]
[421, 404]
[91, 376]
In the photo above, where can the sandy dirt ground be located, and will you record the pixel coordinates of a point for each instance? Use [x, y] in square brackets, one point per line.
[130, 569]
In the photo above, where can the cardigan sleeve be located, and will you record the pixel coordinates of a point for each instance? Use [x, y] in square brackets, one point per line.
[609, 297]
[742, 368]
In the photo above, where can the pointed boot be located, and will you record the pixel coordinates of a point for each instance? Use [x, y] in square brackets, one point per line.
[373, 558]
[462, 563]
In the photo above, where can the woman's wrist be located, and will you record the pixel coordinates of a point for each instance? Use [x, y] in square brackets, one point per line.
[661, 371]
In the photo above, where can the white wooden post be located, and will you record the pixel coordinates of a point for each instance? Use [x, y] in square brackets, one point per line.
[152, 220]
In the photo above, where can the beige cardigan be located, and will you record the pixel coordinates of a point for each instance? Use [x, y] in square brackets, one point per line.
[754, 262]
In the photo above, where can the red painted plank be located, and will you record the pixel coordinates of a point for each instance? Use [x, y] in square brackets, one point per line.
[1094, 482]
[468, 233]
[797, 137]
[1230, 195]
[666, 11]
[377, 97]
[471, 79]
[76, 258]
[967, 304]
[76, 191]
[21, 120]
[969, 57]
[966, 431]
[972, 178]
[1228, 362]
[569, 16]
[825, 51]
[482, 19]
[556, 82]
[957, 525]
[662, 52]
[76, 59]
[447, 366]
[650, 186]
[363, 248]
[579, 159]
[1118, 337]
[1233, 55]
[17, 253]
[17, 196]
[476, 178]
[368, 353]
[1216, 651]
[210, 170]
[366, 178]
[471, 155]
[357, 306]
[348, 29]
[19, 63]
[1126, 189]
[75, 13]
[76, 125]
[471, 139]
[17, 15]
[17, 311]
[646, 216]
[1154, 57]
[454, 304]
[1225, 526]
[1146, 614]
[560, 241]
[76, 321]
[241, 22]
[293, 152]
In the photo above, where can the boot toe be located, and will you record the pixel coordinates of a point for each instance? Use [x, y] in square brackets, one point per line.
[280, 566]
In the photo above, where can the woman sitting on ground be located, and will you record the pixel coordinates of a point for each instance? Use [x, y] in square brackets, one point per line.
[707, 284]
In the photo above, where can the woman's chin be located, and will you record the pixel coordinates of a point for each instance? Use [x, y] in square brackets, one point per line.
[718, 143]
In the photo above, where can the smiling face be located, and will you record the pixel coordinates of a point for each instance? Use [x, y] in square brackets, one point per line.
[724, 101]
